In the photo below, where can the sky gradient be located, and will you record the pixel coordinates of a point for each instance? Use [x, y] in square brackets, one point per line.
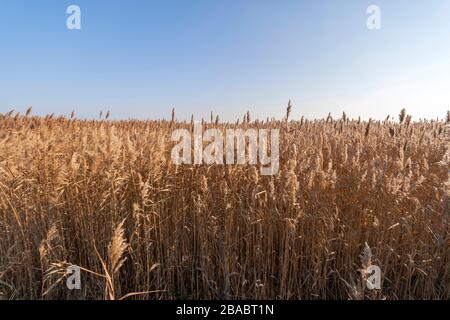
[140, 59]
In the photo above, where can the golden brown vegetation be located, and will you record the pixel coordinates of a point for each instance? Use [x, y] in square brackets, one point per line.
[104, 195]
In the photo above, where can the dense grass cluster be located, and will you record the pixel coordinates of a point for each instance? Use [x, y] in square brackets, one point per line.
[105, 196]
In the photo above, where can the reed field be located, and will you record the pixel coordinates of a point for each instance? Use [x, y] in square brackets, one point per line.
[105, 196]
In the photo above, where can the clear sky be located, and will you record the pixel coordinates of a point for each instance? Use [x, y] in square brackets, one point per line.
[141, 58]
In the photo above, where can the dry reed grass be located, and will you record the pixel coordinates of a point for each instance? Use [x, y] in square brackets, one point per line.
[103, 195]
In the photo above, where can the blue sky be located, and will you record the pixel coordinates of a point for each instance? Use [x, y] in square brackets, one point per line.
[141, 58]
